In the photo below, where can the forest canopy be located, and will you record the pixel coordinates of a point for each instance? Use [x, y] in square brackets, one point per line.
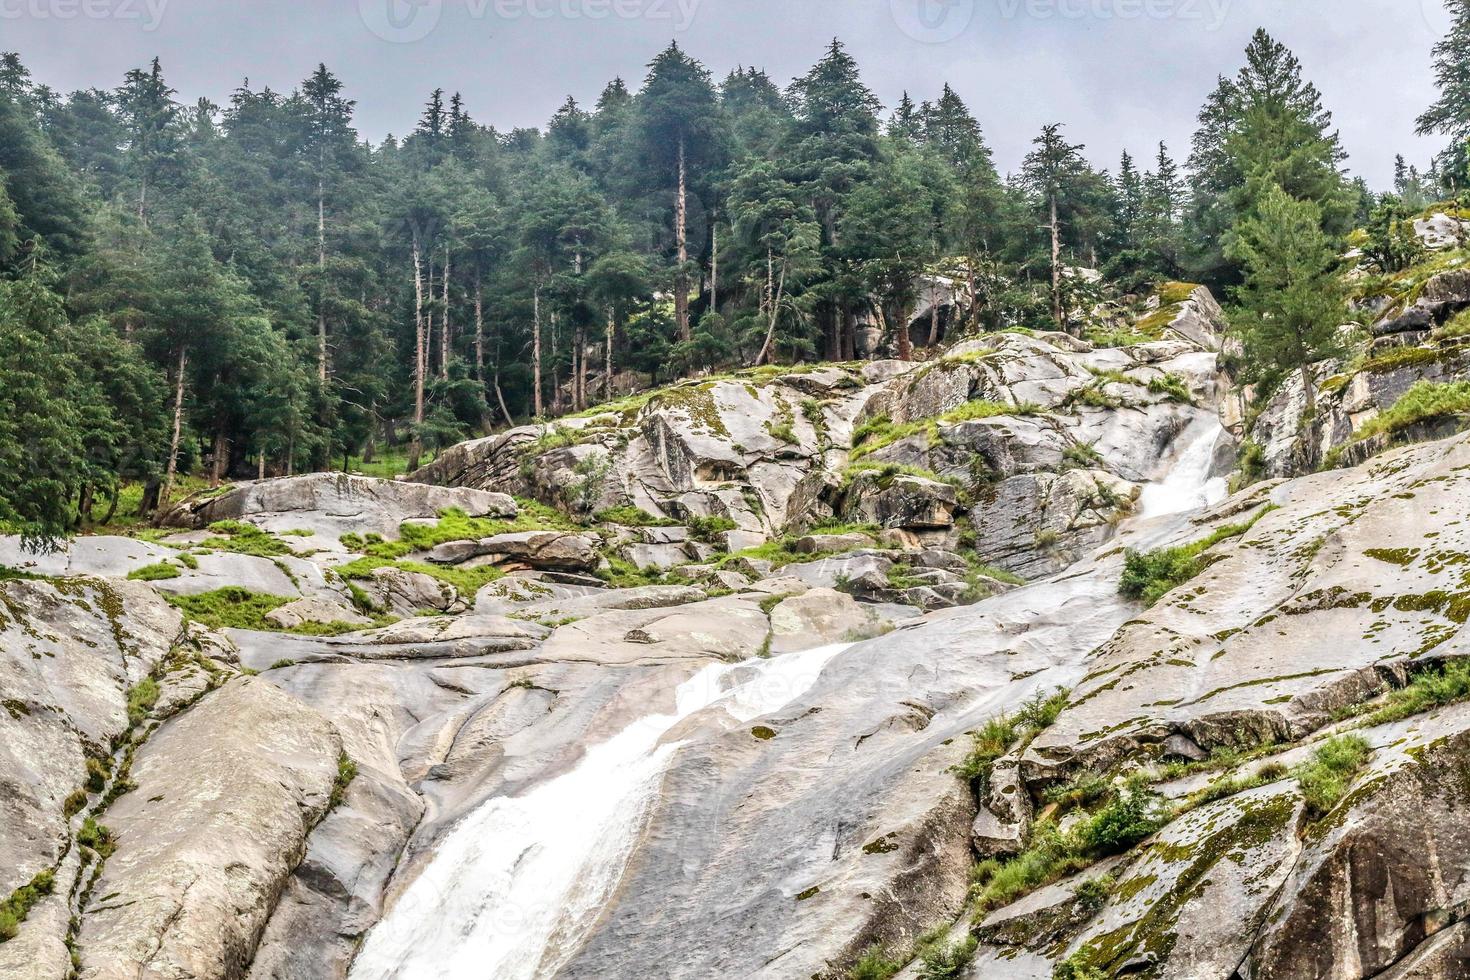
[253, 289]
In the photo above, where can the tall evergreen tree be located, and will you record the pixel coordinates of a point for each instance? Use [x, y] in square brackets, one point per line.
[1265, 126]
[1293, 300]
[680, 138]
[1450, 114]
[1053, 171]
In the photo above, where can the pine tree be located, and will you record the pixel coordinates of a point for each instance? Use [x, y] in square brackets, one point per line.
[329, 151]
[953, 132]
[1293, 301]
[1265, 126]
[1050, 172]
[679, 137]
[1450, 114]
[151, 117]
[906, 123]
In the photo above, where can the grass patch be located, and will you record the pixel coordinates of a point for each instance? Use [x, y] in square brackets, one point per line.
[95, 836]
[881, 431]
[1402, 357]
[155, 573]
[230, 608]
[1424, 402]
[875, 964]
[245, 539]
[13, 910]
[1326, 778]
[1151, 575]
[629, 516]
[142, 698]
[1428, 690]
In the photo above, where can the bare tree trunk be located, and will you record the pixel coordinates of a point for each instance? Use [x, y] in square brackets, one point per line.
[415, 445]
[775, 312]
[607, 354]
[934, 321]
[220, 462]
[479, 330]
[173, 446]
[581, 360]
[444, 338]
[849, 335]
[500, 400]
[1056, 267]
[681, 234]
[905, 340]
[714, 266]
[537, 403]
[556, 403]
[429, 334]
[260, 463]
[321, 285]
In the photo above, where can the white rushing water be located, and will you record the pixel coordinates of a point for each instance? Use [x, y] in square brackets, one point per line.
[512, 889]
[1188, 484]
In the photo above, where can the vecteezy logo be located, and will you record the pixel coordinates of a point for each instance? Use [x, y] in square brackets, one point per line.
[932, 21]
[400, 21]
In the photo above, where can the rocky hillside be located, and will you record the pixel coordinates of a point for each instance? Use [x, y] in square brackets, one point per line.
[955, 669]
[1404, 378]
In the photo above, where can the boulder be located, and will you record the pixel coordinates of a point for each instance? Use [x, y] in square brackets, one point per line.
[1035, 524]
[332, 504]
[901, 501]
[553, 550]
[825, 544]
[820, 617]
[409, 594]
[859, 573]
[314, 611]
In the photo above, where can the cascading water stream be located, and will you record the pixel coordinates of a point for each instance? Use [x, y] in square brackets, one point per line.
[512, 888]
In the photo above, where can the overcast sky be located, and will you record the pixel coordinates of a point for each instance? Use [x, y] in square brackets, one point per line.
[1120, 73]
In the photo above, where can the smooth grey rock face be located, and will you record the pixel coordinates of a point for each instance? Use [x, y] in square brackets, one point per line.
[226, 797]
[787, 845]
[69, 653]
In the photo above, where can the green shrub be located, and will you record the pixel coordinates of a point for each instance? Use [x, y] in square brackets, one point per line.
[943, 960]
[1051, 855]
[1172, 387]
[154, 573]
[874, 964]
[1151, 575]
[346, 773]
[707, 529]
[13, 910]
[1127, 819]
[1326, 777]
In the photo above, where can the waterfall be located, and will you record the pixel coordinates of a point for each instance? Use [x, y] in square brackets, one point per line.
[512, 889]
[1188, 484]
